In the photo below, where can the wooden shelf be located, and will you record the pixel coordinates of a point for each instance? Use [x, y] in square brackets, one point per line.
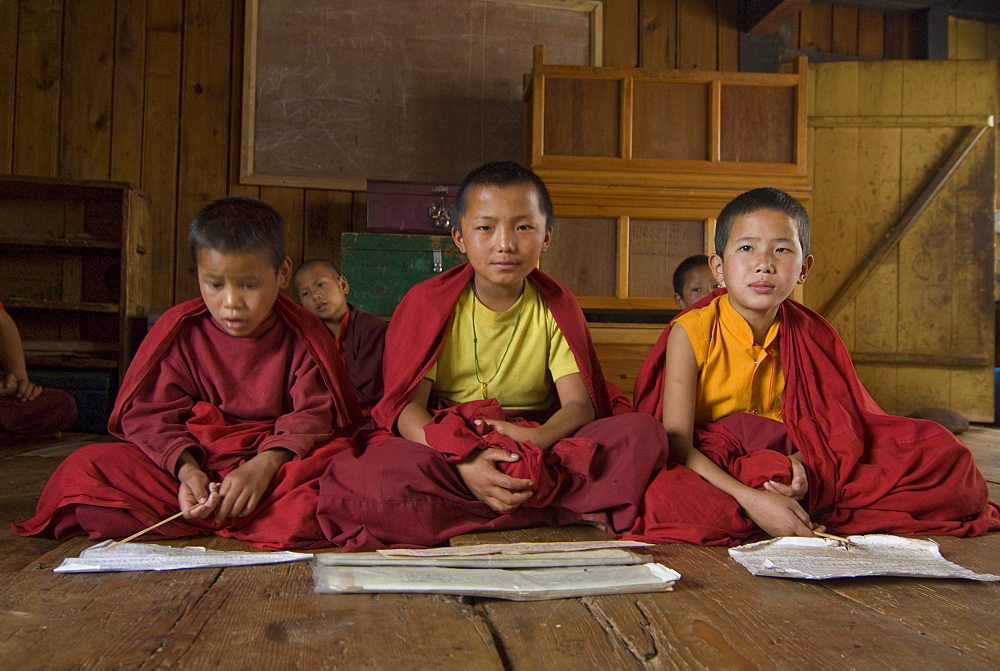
[61, 243]
[76, 271]
[71, 306]
[70, 361]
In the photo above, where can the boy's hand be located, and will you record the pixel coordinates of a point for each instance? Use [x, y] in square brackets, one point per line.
[799, 486]
[22, 388]
[487, 483]
[243, 488]
[195, 488]
[518, 432]
[777, 515]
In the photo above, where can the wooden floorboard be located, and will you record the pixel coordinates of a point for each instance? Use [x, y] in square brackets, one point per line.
[719, 616]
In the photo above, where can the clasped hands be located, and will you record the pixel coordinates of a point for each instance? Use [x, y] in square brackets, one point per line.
[480, 472]
[239, 493]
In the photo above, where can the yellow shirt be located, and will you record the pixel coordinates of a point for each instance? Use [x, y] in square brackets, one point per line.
[734, 373]
[538, 354]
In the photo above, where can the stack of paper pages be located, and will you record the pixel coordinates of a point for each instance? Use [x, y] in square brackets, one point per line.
[516, 571]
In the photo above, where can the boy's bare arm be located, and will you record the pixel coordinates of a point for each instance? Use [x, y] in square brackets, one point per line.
[414, 416]
[576, 411]
[15, 381]
[776, 514]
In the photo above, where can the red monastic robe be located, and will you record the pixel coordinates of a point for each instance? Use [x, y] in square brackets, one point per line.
[868, 471]
[193, 387]
[401, 493]
[52, 411]
[362, 344]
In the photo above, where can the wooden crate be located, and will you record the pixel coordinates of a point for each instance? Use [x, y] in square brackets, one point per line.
[381, 267]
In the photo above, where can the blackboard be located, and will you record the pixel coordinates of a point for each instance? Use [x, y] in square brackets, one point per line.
[337, 92]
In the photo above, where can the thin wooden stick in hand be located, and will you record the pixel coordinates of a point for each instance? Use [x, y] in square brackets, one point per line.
[160, 523]
[835, 538]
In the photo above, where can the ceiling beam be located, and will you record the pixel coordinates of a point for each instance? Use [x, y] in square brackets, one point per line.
[765, 17]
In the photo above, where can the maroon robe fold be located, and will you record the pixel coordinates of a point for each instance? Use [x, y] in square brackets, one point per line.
[52, 411]
[402, 493]
[868, 471]
[363, 343]
[181, 392]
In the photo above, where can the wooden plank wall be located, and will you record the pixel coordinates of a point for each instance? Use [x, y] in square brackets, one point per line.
[972, 40]
[917, 307]
[149, 92]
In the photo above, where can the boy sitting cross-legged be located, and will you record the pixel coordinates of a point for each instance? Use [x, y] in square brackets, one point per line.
[231, 408]
[496, 414]
[760, 398]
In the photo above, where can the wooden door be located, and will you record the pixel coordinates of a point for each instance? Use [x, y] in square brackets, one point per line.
[904, 176]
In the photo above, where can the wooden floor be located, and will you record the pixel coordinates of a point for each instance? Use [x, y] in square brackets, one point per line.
[259, 617]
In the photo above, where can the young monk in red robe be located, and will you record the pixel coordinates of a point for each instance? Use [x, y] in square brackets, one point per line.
[27, 410]
[496, 414]
[760, 398]
[359, 335]
[231, 408]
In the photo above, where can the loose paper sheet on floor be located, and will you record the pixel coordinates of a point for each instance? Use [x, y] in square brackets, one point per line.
[867, 555]
[151, 557]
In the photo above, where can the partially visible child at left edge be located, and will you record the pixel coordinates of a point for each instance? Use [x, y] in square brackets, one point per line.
[27, 410]
[360, 335]
[235, 401]
[759, 396]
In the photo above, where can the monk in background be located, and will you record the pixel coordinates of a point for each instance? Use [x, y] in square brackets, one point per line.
[359, 335]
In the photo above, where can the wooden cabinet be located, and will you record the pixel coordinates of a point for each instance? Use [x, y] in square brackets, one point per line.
[75, 270]
[639, 162]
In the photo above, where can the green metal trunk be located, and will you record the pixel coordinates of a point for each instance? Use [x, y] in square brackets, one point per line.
[382, 267]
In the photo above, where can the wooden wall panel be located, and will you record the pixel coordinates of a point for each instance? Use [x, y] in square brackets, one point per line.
[816, 28]
[161, 111]
[621, 33]
[834, 182]
[921, 326]
[204, 120]
[880, 92]
[697, 36]
[129, 70]
[327, 215]
[289, 204]
[844, 30]
[85, 106]
[679, 34]
[871, 34]
[658, 34]
[8, 75]
[236, 109]
[39, 61]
